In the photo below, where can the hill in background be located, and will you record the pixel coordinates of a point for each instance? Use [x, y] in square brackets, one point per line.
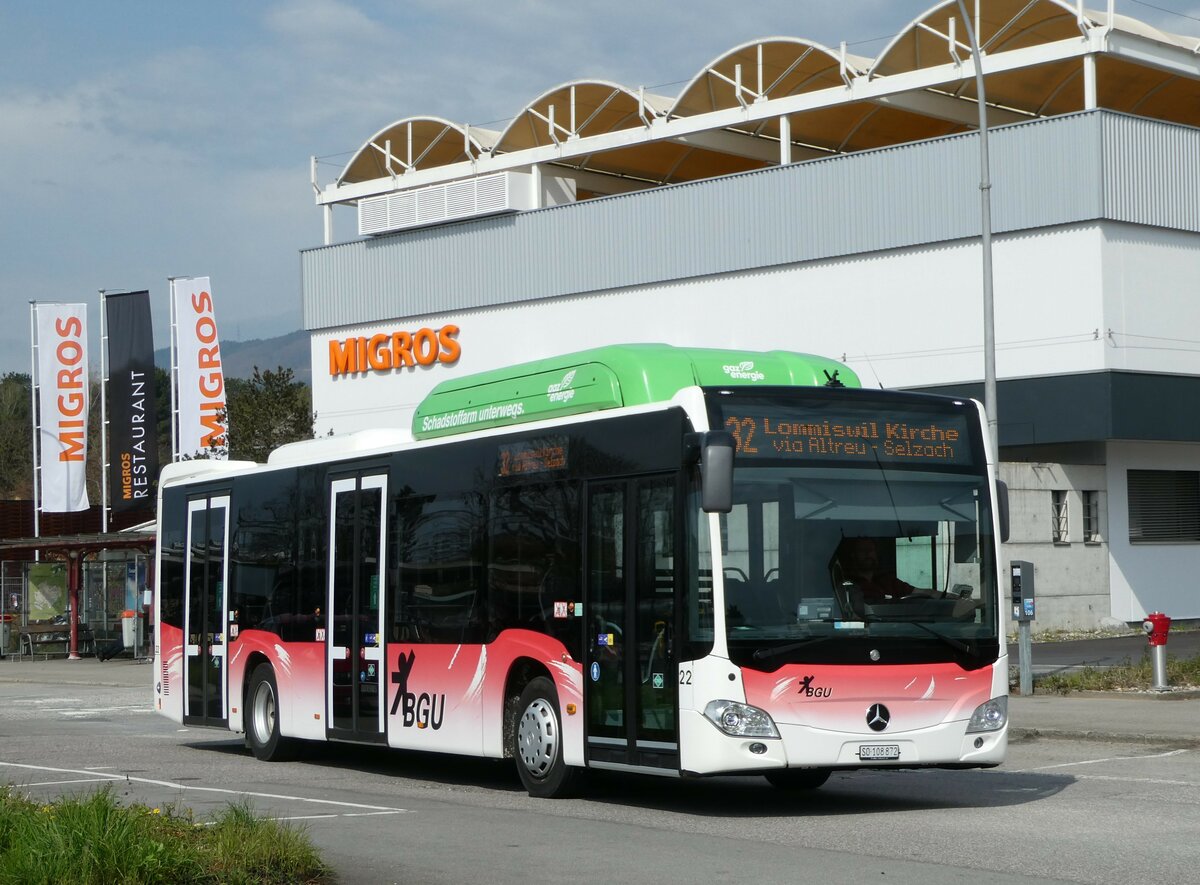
[238, 358]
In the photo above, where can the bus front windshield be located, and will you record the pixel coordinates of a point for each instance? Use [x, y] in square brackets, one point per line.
[860, 531]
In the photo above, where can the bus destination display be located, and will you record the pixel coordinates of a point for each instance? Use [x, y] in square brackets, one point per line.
[533, 456]
[885, 438]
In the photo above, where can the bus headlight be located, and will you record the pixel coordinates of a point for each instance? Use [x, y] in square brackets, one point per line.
[990, 716]
[741, 720]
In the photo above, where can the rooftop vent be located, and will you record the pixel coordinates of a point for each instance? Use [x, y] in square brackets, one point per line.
[438, 203]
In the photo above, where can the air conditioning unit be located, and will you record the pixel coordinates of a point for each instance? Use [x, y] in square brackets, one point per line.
[475, 197]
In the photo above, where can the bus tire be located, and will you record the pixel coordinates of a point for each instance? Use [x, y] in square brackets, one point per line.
[262, 718]
[798, 779]
[538, 743]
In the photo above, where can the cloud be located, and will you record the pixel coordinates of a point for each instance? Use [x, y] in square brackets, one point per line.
[176, 140]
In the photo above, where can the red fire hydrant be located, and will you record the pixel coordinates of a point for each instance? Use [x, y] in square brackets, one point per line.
[1157, 625]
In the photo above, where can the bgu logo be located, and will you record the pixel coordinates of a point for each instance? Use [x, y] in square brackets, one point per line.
[419, 710]
[813, 691]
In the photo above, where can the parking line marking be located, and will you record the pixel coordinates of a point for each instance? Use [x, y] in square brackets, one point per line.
[1106, 759]
[1136, 780]
[78, 780]
[177, 786]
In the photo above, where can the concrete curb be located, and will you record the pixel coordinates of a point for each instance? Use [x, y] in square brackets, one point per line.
[1018, 733]
[1171, 694]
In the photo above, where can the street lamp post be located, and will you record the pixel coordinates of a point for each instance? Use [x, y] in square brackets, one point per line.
[985, 208]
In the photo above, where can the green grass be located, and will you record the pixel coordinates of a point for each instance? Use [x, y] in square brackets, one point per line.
[1128, 676]
[94, 840]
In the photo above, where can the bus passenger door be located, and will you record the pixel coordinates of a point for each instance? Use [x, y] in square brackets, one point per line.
[354, 609]
[206, 612]
[631, 694]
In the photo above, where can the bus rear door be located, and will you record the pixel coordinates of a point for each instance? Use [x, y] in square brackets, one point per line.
[206, 612]
[354, 610]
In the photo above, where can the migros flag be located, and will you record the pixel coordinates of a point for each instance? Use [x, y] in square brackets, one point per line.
[393, 350]
[62, 405]
[200, 381]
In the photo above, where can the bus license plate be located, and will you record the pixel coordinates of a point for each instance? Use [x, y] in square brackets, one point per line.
[879, 751]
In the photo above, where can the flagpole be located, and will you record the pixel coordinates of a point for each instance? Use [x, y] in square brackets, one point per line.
[173, 372]
[103, 415]
[33, 392]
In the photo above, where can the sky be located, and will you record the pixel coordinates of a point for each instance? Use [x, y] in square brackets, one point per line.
[144, 140]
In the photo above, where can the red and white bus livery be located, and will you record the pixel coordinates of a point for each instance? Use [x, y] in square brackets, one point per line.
[671, 561]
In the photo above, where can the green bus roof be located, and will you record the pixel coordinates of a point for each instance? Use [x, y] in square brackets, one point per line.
[608, 378]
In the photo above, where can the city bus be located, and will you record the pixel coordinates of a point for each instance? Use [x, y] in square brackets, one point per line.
[642, 558]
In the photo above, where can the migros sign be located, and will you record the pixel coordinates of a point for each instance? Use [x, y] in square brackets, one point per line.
[393, 350]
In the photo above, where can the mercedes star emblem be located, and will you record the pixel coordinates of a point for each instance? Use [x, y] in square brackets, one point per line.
[878, 717]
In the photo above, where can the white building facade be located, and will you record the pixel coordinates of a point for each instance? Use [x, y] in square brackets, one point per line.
[795, 198]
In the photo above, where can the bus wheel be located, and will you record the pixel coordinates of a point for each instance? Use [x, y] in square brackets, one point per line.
[798, 778]
[538, 743]
[262, 723]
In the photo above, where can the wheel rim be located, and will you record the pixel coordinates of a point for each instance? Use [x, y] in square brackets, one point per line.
[537, 738]
[264, 713]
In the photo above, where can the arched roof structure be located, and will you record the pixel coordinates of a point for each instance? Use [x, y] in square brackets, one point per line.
[938, 35]
[1049, 88]
[784, 99]
[415, 143]
[764, 69]
[578, 109]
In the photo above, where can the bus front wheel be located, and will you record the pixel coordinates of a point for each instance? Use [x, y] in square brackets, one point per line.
[538, 743]
[798, 778]
[262, 724]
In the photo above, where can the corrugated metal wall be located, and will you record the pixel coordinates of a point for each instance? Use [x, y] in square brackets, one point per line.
[1046, 172]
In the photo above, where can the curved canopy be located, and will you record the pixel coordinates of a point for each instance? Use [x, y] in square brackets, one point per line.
[771, 68]
[611, 138]
[415, 143]
[1002, 25]
[578, 109]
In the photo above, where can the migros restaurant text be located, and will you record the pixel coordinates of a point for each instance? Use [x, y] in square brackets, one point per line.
[394, 350]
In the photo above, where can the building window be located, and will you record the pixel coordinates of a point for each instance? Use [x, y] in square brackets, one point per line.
[1091, 517]
[1058, 516]
[1164, 506]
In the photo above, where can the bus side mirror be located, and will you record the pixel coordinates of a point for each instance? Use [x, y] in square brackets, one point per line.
[1002, 508]
[716, 471]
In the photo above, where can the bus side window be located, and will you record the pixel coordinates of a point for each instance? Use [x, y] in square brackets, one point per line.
[436, 550]
[533, 558]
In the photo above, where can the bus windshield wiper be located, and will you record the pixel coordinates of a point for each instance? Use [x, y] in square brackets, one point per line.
[956, 644]
[762, 653]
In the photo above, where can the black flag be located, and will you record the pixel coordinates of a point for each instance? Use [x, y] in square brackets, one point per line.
[132, 416]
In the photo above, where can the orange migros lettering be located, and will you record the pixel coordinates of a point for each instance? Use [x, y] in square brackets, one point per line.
[211, 379]
[210, 419]
[395, 350]
[343, 357]
[72, 396]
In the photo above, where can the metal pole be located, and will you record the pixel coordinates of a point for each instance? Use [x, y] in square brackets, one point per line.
[33, 414]
[174, 372]
[103, 415]
[1025, 653]
[1158, 661]
[73, 565]
[985, 206]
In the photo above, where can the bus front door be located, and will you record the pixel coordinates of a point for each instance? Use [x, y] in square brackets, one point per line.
[354, 610]
[206, 612]
[631, 694]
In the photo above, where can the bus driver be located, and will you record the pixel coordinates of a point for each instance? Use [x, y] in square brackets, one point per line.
[861, 567]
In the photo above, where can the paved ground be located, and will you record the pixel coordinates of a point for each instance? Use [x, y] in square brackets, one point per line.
[1129, 716]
